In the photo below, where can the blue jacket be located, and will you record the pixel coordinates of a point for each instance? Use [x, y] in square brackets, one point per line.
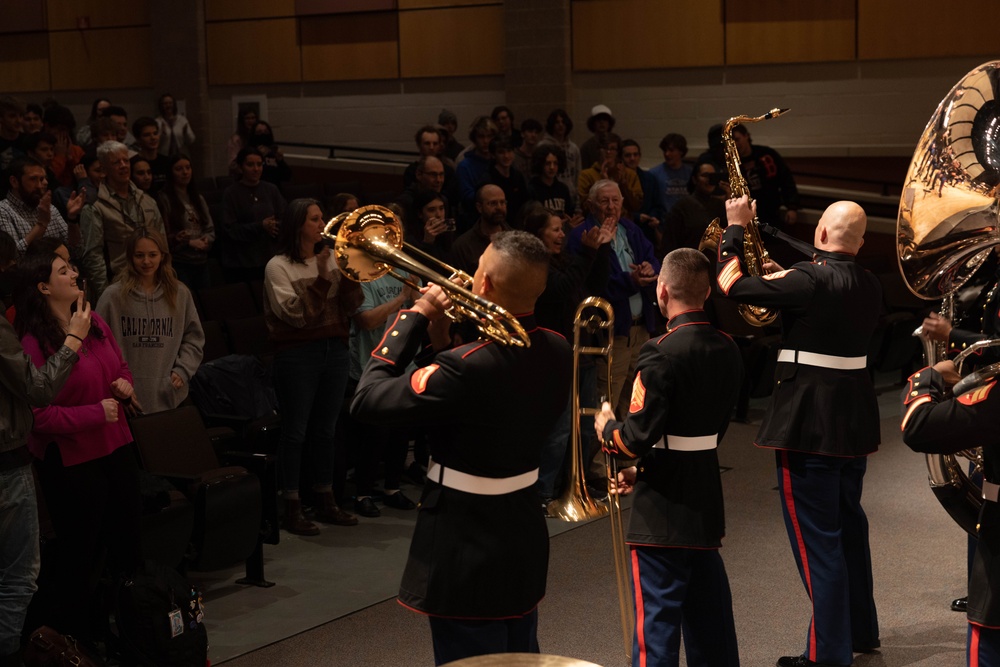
[620, 286]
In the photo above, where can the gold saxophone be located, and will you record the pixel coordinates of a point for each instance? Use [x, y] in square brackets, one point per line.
[754, 253]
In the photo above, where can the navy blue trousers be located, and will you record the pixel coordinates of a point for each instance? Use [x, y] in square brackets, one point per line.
[983, 646]
[682, 592]
[828, 531]
[457, 638]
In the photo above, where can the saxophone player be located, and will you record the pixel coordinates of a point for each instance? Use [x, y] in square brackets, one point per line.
[822, 421]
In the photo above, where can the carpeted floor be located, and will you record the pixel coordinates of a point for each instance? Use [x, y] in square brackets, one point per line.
[350, 574]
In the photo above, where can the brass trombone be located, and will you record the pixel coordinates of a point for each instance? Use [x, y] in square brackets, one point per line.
[595, 315]
[367, 245]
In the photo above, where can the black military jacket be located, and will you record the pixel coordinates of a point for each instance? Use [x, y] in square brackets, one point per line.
[488, 410]
[934, 422]
[830, 306]
[686, 384]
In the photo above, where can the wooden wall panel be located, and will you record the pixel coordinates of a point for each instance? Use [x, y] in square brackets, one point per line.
[63, 14]
[350, 47]
[100, 59]
[924, 29]
[25, 59]
[229, 10]
[646, 34]
[461, 41]
[788, 31]
[426, 4]
[253, 52]
[321, 7]
[22, 16]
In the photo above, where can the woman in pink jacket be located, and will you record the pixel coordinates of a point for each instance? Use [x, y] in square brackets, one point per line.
[88, 474]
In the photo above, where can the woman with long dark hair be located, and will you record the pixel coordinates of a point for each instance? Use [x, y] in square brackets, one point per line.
[88, 474]
[308, 306]
[146, 300]
[84, 135]
[190, 232]
[428, 226]
[246, 120]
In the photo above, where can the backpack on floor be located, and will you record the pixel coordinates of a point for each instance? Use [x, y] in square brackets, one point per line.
[159, 619]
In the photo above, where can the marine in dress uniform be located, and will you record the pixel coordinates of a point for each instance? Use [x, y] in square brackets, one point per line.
[822, 420]
[479, 556]
[935, 422]
[682, 397]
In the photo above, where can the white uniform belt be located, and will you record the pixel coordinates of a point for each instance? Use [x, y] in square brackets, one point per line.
[991, 491]
[686, 443]
[484, 486]
[822, 360]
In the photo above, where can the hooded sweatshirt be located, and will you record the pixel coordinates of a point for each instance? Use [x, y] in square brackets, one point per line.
[155, 341]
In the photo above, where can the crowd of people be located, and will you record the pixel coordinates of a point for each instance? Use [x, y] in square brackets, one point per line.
[111, 214]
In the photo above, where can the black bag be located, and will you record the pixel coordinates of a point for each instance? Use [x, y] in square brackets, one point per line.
[237, 384]
[159, 617]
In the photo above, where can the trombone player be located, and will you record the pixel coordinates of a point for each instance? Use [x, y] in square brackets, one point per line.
[684, 392]
[479, 557]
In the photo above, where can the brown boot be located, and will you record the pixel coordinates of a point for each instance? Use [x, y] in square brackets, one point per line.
[329, 512]
[294, 522]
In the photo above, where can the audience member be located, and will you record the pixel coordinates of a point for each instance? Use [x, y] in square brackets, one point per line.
[769, 180]
[152, 317]
[610, 167]
[26, 213]
[11, 110]
[120, 209]
[476, 163]
[716, 153]
[190, 232]
[142, 174]
[383, 299]
[88, 474]
[504, 119]
[41, 147]
[429, 175]
[246, 120]
[21, 387]
[557, 129]
[531, 134]
[449, 123]
[600, 122]
[89, 175]
[427, 225]
[502, 173]
[546, 188]
[633, 269]
[119, 117]
[691, 215]
[59, 122]
[651, 212]
[571, 278]
[307, 306]
[429, 145]
[98, 108]
[343, 202]
[103, 129]
[276, 170]
[31, 120]
[251, 212]
[176, 135]
[147, 135]
[672, 175]
[491, 203]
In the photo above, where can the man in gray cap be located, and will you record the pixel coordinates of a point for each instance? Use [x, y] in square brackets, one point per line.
[600, 121]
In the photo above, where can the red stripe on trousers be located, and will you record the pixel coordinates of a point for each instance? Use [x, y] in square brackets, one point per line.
[639, 610]
[786, 478]
[974, 647]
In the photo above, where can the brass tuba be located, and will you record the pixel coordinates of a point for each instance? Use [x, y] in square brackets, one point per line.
[367, 245]
[754, 253]
[946, 227]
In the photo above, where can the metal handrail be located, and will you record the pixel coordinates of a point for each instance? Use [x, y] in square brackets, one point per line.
[332, 150]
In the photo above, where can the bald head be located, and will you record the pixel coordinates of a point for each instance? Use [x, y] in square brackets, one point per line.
[841, 228]
[513, 271]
